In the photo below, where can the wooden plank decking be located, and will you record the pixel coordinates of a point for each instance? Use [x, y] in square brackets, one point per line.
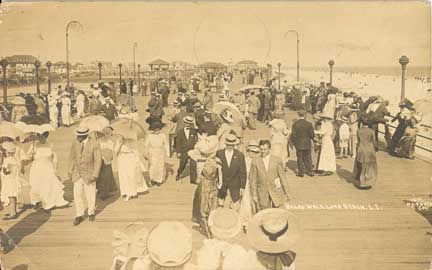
[395, 237]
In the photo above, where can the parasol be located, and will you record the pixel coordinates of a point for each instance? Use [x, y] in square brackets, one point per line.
[30, 128]
[35, 119]
[8, 129]
[220, 106]
[95, 123]
[128, 128]
[252, 86]
[17, 100]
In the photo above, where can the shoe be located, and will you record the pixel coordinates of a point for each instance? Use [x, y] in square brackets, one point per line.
[78, 220]
[177, 177]
[300, 175]
[10, 217]
[91, 218]
[311, 174]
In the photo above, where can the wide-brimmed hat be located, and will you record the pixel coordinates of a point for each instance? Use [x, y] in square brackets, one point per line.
[9, 147]
[273, 230]
[227, 116]
[379, 99]
[82, 131]
[188, 120]
[131, 241]
[253, 146]
[206, 146]
[231, 139]
[224, 223]
[170, 244]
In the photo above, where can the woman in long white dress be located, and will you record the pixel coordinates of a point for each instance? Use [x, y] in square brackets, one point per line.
[327, 156]
[279, 139]
[330, 106]
[157, 147]
[66, 110]
[45, 187]
[247, 209]
[53, 110]
[80, 104]
[131, 178]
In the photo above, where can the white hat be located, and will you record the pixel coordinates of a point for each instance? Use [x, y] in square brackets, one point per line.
[170, 244]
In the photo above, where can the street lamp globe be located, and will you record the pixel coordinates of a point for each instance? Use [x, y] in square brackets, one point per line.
[331, 63]
[37, 63]
[403, 60]
[100, 65]
[4, 63]
[48, 64]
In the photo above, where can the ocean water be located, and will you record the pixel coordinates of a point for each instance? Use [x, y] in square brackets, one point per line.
[411, 71]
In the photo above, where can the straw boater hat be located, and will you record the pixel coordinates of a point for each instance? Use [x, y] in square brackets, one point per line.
[231, 139]
[188, 120]
[253, 146]
[170, 244]
[82, 131]
[224, 223]
[227, 115]
[273, 230]
[9, 147]
[344, 119]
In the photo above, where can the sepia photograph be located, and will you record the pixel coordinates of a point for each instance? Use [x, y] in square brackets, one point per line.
[215, 135]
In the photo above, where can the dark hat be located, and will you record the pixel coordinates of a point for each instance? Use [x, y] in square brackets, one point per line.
[155, 125]
[302, 113]
[188, 120]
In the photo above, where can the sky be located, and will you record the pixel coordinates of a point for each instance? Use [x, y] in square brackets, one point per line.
[350, 33]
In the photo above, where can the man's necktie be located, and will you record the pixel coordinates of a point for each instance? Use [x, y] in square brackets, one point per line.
[82, 147]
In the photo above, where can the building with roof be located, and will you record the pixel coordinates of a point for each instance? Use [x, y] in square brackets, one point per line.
[246, 64]
[212, 67]
[159, 64]
[180, 65]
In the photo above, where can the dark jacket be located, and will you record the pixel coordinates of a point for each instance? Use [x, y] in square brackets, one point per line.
[301, 134]
[234, 175]
[183, 144]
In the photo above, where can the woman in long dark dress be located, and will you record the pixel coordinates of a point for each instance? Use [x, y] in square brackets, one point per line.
[402, 117]
[406, 146]
[205, 197]
[365, 164]
[106, 184]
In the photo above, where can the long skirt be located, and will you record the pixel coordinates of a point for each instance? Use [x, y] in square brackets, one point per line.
[406, 146]
[366, 173]
[45, 185]
[157, 165]
[205, 200]
[246, 208]
[327, 156]
[131, 178]
[106, 183]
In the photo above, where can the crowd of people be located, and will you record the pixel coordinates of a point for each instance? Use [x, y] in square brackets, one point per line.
[239, 181]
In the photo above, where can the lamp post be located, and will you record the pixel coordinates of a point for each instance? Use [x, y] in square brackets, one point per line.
[331, 64]
[134, 47]
[37, 65]
[139, 79]
[4, 63]
[49, 65]
[67, 50]
[298, 60]
[120, 67]
[404, 62]
[100, 70]
[279, 76]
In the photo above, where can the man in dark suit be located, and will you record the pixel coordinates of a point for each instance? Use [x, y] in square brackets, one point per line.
[185, 140]
[301, 135]
[233, 172]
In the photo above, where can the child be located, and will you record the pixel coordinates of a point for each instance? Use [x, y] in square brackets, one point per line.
[11, 182]
[344, 136]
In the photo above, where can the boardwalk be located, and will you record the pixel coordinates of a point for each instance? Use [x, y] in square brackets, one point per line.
[395, 237]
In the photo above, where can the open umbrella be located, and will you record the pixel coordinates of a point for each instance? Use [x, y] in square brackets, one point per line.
[221, 106]
[35, 119]
[128, 128]
[30, 128]
[95, 123]
[8, 129]
[251, 87]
